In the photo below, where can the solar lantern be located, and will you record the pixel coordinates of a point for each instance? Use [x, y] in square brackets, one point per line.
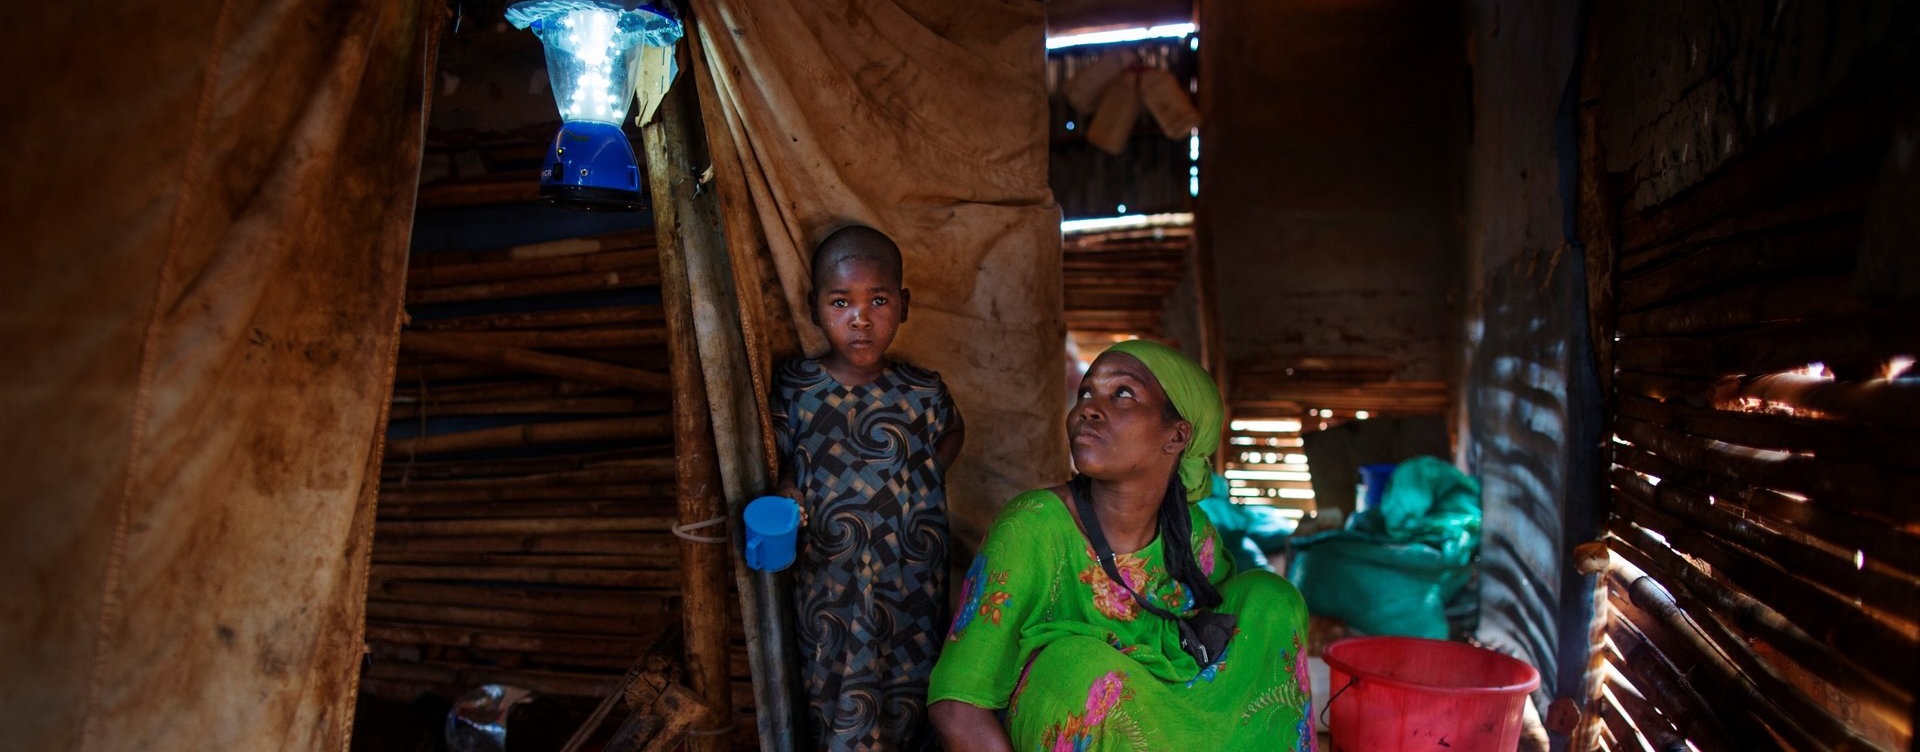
[590, 47]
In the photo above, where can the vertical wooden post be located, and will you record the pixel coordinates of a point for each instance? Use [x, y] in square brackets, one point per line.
[704, 564]
[704, 320]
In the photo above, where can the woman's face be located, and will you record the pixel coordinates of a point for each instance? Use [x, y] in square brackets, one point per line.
[1120, 426]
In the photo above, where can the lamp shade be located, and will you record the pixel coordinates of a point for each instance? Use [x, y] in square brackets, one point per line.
[590, 47]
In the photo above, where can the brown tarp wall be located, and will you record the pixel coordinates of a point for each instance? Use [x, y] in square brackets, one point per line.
[927, 120]
[207, 207]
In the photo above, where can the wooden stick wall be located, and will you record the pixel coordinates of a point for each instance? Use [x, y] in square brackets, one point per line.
[524, 526]
[1764, 590]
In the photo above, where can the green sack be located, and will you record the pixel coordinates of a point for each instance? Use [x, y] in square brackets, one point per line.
[1394, 568]
[1377, 587]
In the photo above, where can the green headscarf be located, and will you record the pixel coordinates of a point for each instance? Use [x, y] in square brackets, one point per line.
[1195, 397]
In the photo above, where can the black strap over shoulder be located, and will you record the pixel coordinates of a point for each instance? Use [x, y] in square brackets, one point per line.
[1206, 642]
[1090, 520]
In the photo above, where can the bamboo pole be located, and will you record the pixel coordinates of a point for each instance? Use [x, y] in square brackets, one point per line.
[652, 666]
[1672, 688]
[1823, 438]
[541, 575]
[591, 509]
[601, 473]
[1772, 301]
[557, 406]
[566, 317]
[1870, 337]
[528, 526]
[1786, 253]
[443, 275]
[450, 679]
[727, 359]
[498, 188]
[531, 434]
[539, 388]
[1838, 139]
[642, 561]
[635, 604]
[1881, 544]
[415, 373]
[612, 279]
[630, 628]
[1843, 485]
[526, 492]
[1831, 568]
[572, 338]
[570, 368]
[542, 249]
[1657, 602]
[1877, 402]
[682, 711]
[1755, 619]
[1658, 731]
[1832, 622]
[505, 468]
[545, 645]
[705, 564]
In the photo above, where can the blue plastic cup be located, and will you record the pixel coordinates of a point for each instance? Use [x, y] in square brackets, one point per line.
[773, 529]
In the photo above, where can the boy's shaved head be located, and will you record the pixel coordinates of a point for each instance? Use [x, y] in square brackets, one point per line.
[855, 243]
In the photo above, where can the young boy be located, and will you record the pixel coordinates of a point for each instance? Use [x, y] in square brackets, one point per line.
[866, 444]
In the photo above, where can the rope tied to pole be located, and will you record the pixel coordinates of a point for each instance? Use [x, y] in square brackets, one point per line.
[684, 531]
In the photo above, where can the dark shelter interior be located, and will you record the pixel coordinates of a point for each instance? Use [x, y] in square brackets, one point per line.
[325, 431]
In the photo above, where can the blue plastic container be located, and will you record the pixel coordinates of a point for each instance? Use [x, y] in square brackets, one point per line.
[773, 531]
[1374, 478]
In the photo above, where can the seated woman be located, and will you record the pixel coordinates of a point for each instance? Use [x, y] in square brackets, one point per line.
[1077, 661]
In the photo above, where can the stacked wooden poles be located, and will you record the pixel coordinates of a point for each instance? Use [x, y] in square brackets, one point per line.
[711, 328]
[704, 564]
[533, 546]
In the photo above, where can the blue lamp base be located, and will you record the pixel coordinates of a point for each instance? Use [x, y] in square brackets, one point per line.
[591, 166]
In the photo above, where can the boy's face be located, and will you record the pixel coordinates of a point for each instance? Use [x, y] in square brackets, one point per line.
[861, 305]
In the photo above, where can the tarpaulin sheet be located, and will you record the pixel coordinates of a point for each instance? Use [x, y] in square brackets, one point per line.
[926, 119]
[206, 207]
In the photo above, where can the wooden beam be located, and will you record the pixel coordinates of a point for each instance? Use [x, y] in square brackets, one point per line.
[565, 367]
[692, 218]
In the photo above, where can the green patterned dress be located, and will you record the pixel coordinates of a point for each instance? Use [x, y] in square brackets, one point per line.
[1078, 665]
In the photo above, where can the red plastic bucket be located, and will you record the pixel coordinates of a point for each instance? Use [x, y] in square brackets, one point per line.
[1402, 694]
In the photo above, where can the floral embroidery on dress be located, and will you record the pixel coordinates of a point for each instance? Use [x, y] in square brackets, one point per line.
[1109, 598]
[1206, 555]
[1076, 734]
[976, 599]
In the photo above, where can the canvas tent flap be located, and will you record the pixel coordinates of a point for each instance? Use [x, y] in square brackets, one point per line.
[927, 120]
[208, 204]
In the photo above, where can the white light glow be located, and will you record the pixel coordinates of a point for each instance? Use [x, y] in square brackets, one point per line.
[1267, 475]
[1361, 415]
[1898, 366]
[1128, 222]
[1266, 426]
[1167, 31]
[591, 42]
[1293, 493]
